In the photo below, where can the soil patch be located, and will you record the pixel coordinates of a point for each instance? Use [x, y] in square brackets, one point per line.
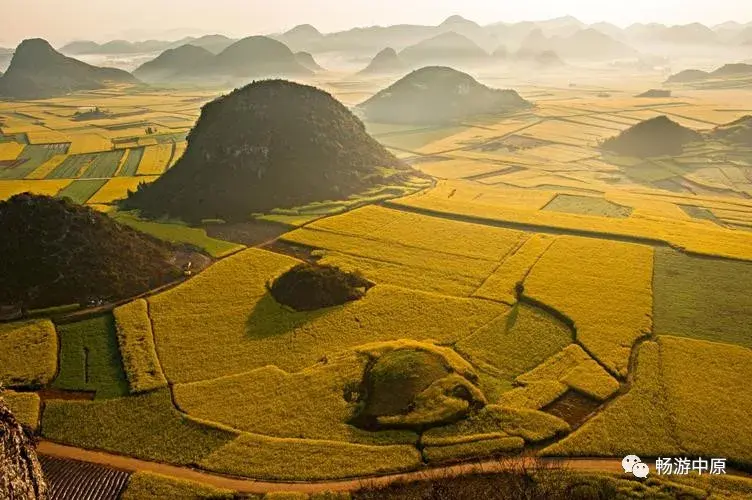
[573, 407]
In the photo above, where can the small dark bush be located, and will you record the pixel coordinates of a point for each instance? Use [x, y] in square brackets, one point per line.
[307, 287]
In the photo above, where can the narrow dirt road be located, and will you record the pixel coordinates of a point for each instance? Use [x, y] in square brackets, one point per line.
[609, 465]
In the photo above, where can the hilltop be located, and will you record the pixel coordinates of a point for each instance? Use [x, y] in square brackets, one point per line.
[385, 62]
[438, 94]
[271, 144]
[306, 60]
[39, 71]
[172, 62]
[254, 56]
[736, 133]
[655, 137]
[57, 253]
[449, 47]
[688, 76]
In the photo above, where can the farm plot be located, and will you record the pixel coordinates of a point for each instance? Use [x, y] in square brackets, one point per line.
[45, 187]
[117, 188]
[28, 353]
[132, 161]
[10, 150]
[307, 404]
[81, 190]
[70, 479]
[156, 159]
[31, 158]
[512, 344]
[702, 298]
[145, 426]
[104, 165]
[144, 485]
[683, 392]
[73, 166]
[612, 300]
[90, 360]
[490, 203]
[231, 330]
[587, 205]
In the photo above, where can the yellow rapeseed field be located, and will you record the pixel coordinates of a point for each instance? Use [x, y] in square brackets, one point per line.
[302, 459]
[47, 137]
[500, 285]
[47, 167]
[10, 150]
[470, 200]
[136, 342]
[307, 404]
[28, 353]
[206, 329]
[684, 396]
[117, 188]
[88, 143]
[48, 187]
[574, 368]
[604, 287]
[155, 159]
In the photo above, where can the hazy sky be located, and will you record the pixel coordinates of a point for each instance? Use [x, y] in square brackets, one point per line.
[65, 20]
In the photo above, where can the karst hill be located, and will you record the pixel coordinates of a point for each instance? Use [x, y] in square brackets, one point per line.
[272, 144]
[38, 71]
[438, 94]
[56, 252]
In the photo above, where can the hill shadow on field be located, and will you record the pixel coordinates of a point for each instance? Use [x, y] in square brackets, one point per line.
[269, 318]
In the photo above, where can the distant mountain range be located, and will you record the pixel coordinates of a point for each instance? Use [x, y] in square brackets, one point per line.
[307, 38]
[212, 43]
[255, 56]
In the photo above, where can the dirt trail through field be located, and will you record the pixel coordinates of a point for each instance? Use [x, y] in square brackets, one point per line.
[608, 465]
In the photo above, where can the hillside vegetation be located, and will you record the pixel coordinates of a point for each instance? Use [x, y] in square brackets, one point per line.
[272, 144]
[57, 253]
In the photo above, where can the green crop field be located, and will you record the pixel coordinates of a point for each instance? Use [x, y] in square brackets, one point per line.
[702, 298]
[130, 167]
[81, 190]
[90, 359]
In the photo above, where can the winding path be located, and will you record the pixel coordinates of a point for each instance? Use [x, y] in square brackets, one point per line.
[607, 465]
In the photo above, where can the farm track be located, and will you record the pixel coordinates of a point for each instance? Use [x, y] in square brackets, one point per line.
[588, 464]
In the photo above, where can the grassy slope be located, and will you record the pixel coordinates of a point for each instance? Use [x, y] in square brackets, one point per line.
[178, 233]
